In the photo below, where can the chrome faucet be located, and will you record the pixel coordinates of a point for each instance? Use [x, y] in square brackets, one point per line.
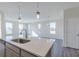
[24, 31]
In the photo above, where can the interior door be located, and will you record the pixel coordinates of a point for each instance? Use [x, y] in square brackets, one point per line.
[72, 27]
[73, 32]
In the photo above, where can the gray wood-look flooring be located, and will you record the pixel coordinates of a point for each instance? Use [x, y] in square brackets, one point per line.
[59, 51]
[70, 52]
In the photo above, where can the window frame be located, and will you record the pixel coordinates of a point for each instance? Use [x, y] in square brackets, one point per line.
[8, 34]
[52, 28]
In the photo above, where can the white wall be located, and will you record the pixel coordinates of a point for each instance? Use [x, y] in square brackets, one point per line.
[71, 28]
[45, 31]
[0, 27]
[15, 29]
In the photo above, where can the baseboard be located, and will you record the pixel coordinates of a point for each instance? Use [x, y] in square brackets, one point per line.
[72, 48]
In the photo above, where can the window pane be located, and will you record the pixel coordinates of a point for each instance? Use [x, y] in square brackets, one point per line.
[34, 34]
[53, 28]
[20, 26]
[9, 27]
[8, 37]
[29, 29]
[53, 25]
[29, 26]
[39, 26]
[20, 30]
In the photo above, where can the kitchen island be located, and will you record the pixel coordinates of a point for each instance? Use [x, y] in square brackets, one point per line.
[37, 46]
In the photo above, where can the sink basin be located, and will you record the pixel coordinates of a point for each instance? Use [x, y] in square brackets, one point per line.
[22, 41]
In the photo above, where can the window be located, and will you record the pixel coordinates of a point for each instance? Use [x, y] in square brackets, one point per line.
[9, 27]
[52, 28]
[29, 30]
[20, 30]
[39, 26]
[34, 34]
[9, 30]
[29, 26]
[8, 37]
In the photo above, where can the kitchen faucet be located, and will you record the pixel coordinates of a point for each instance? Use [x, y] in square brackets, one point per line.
[24, 32]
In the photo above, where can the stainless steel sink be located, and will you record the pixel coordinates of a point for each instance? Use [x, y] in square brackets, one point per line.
[22, 41]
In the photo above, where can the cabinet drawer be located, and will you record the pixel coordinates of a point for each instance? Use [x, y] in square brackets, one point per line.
[25, 54]
[10, 53]
[12, 47]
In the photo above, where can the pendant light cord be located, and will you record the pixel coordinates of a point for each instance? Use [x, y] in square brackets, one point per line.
[19, 11]
[37, 6]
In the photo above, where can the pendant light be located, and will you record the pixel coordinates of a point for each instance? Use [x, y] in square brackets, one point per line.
[37, 12]
[19, 10]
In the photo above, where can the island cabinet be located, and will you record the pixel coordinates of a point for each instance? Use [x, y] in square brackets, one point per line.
[1, 50]
[10, 53]
[27, 54]
[13, 51]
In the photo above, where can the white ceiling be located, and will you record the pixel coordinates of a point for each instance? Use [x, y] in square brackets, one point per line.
[28, 9]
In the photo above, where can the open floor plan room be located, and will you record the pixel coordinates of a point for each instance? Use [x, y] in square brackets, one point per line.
[39, 29]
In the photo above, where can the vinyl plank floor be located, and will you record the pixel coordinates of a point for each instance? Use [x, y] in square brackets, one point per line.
[70, 52]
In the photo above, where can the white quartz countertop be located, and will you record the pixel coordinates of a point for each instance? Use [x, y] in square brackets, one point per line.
[36, 46]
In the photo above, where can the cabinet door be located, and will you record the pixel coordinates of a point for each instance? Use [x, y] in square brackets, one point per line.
[25, 54]
[12, 47]
[1, 50]
[10, 53]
